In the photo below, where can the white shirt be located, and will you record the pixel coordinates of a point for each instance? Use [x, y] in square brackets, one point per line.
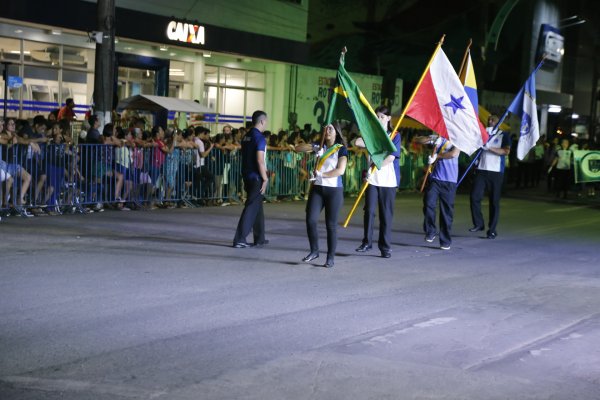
[329, 165]
[384, 177]
[564, 159]
[489, 161]
[199, 162]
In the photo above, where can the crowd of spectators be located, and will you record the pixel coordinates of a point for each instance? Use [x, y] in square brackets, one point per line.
[51, 166]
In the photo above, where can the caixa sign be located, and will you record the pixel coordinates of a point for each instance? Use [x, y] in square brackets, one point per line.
[184, 32]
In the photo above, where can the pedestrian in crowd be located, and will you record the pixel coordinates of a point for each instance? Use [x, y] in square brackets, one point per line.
[381, 192]
[254, 174]
[539, 160]
[205, 177]
[52, 116]
[91, 157]
[223, 167]
[67, 111]
[123, 168]
[11, 155]
[562, 161]
[489, 176]
[158, 155]
[440, 188]
[34, 158]
[326, 192]
[227, 132]
[549, 153]
[58, 152]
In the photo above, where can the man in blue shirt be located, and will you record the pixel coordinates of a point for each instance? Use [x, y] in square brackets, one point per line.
[441, 186]
[254, 173]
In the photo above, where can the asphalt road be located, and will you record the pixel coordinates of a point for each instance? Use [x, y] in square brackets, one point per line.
[157, 305]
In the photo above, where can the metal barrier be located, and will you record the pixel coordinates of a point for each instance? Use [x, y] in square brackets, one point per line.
[55, 178]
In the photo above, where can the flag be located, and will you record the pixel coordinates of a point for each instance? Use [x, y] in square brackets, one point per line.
[348, 101]
[467, 78]
[441, 104]
[524, 106]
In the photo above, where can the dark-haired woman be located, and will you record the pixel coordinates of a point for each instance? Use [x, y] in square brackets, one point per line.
[381, 192]
[327, 192]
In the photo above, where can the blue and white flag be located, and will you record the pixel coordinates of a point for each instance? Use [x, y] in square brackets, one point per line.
[524, 106]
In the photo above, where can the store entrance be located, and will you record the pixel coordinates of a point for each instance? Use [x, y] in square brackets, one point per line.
[142, 75]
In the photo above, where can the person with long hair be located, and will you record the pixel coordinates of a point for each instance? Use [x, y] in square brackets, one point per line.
[327, 191]
[381, 192]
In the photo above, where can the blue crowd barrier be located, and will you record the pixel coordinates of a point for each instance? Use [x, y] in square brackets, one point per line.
[57, 178]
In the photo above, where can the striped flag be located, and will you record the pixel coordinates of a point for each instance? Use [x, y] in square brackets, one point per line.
[467, 78]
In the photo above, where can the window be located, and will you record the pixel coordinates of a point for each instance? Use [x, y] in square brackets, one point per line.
[51, 74]
[236, 96]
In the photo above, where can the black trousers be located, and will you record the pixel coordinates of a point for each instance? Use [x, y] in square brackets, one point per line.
[445, 192]
[492, 182]
[332, 199]
[253, 217]
[563, 181]
[381, 198]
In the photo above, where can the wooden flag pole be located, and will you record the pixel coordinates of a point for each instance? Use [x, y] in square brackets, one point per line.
[463, 64]
[395, 131]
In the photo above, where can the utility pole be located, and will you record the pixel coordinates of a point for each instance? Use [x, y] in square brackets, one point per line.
[5, 77]
[104, 76]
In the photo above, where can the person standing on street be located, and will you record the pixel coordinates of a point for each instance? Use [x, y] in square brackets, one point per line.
[381, 192]
[441, 187]
[254, 174]
[489, 176]
[327, 191]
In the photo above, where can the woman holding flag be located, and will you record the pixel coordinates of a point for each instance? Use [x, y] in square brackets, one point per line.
[381, 192]
[326, 192]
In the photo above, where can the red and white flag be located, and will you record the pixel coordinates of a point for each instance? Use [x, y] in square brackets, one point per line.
[442, 105]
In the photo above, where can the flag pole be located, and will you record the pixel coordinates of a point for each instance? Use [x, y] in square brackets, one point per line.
[461, 71]
[463, 64]
[395, 131]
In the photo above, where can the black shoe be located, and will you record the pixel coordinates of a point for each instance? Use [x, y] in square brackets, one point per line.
[311, 256]
[364, 248]
[492, 235]
[261, 244]
[476, 229]
[241, 245]
[386, 254]
[328, 263]
[430, 238]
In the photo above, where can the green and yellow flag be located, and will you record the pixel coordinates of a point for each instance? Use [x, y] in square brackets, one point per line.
[347, 100]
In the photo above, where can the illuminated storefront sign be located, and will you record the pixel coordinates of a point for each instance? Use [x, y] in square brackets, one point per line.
[184, 32]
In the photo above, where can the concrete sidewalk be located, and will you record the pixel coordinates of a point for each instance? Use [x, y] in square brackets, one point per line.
[157, 305]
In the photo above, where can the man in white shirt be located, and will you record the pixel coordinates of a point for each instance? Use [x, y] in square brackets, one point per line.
[489, 176]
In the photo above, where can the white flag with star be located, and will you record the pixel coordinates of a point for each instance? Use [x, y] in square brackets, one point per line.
[442, 105]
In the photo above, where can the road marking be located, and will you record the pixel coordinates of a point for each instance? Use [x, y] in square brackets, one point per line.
[572, 336]
[539, 352]
[387, 338]
[70, 385]
[522, 348]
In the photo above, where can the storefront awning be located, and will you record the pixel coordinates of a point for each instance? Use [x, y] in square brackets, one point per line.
[158, 103]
